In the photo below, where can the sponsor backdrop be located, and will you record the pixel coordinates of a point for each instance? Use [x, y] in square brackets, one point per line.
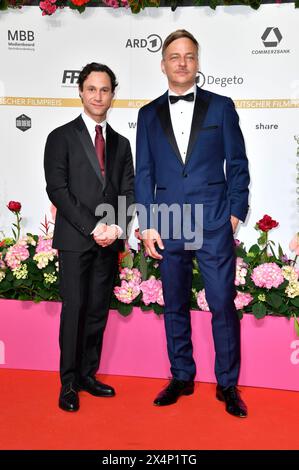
[251, 56]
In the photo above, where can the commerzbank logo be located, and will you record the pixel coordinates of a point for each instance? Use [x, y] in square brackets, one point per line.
[271, 39]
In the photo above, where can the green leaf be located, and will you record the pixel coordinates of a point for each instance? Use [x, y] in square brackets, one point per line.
[128, 260]
[124, 309]
[143, 266]
[296, 325]
[255, 249]
[295, 301]
[158, 309]
[296, 3]
[274, 300]
[262, 239]
[280, 251]
[259, 310]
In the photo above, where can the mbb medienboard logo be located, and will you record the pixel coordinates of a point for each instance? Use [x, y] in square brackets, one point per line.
[21, 39]
[271, 39]
[151, 43]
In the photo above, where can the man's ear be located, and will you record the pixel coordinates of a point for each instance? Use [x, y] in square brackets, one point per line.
[162, 66]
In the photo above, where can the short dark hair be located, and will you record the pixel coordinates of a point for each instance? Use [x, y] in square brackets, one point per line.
[96, 67]
[178, 34]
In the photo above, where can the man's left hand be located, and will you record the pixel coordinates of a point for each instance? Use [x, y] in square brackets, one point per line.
[234, 221]
[105, 235]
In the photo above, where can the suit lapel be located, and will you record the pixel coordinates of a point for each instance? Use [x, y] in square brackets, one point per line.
[200, 110]
[165, 119]
[88, 146]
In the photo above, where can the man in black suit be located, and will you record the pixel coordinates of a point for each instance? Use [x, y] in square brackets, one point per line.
[87, 164]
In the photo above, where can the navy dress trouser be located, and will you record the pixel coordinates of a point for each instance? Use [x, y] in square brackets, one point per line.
[216, 259]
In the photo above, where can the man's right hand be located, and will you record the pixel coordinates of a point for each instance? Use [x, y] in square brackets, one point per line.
[150, 237]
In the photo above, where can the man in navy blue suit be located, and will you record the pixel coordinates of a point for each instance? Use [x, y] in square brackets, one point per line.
[191, 154]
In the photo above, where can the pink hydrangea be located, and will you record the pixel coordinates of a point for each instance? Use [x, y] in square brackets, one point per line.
[127, 292]
[44, 245]
[152, 291]
[267, 275]
[202, 301]
[16, 254]
[241, 272]
[242, 299]
[133, 275]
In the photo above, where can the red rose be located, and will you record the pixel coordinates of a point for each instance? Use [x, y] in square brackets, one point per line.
[14, 206]
[266, 223]
[79, 3]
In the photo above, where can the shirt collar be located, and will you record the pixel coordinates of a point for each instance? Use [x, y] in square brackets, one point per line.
[91, 123]
[191, 90]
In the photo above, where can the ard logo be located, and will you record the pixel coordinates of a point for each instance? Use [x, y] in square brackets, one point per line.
[152, 43]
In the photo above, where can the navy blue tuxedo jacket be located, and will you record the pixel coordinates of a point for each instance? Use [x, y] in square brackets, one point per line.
[215, 172]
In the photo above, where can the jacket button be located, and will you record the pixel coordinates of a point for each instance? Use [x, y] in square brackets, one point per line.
[185, 176]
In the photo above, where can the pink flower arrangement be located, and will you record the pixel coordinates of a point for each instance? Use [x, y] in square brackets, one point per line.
[48, 7]
[116, 3]
[16, 254]
[294, 244]
[241, 272]
[133, 275]
[127, 291]
[202, 301]
[152, 291]
[44, 251]
[267, 275]
[242, 299]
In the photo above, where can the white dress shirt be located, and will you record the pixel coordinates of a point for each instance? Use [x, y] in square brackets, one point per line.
[91, 127]
[181, 114]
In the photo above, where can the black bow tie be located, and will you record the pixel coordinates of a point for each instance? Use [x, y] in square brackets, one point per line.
[173, 98]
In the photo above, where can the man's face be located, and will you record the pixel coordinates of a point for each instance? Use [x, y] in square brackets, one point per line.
[97, 95]
[180, 64]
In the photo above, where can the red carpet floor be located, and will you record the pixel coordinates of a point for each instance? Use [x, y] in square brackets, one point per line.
[31, 419]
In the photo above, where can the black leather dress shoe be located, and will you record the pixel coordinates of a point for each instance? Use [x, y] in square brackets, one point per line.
[69, 398]
[173, 391]
[96, 388]
[234, 404]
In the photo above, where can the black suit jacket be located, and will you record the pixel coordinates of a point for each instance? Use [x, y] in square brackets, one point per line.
[75, 184]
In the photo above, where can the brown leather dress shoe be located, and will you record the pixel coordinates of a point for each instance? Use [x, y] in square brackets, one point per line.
[95, 387]
[234, 404]
[69, 398]
[173, 391]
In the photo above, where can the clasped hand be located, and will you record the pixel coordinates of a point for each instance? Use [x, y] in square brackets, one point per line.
[105, 235]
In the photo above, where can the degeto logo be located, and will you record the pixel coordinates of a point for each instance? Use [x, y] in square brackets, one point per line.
[202, 79]
[271, 37]
[152, 43]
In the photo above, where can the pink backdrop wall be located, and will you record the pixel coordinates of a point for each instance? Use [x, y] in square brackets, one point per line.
[136, 345]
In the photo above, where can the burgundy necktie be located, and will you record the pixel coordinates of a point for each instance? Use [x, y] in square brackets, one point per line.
[100, 147]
